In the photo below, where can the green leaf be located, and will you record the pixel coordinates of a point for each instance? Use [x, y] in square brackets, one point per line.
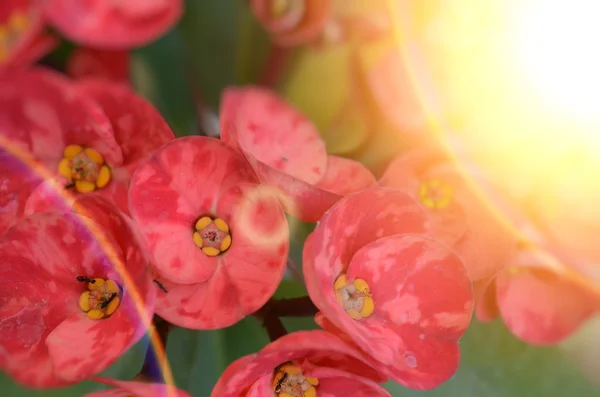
[160, 74]
[125, 368]
[495, 364]
[226, 45]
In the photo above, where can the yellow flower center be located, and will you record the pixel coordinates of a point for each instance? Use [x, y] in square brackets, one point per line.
[84, 168]
[11, 32]
[102, 298]
[288, 381]
[355, 297]
[435, 194]
[212, 235]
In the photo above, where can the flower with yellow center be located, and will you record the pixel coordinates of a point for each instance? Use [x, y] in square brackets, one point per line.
[355, 297]
[85, 168]
[435, 194]
[288, 381]
[102, 298]
[212, 235]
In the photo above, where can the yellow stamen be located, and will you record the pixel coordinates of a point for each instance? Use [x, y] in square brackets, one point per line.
[340, 282]
[84, 301]
[18, 22]
[211, 251]
[221, 225]
[368, 307]
[361, 285]
[84, 186]
[113, 305]
[312, 381]
[96, 285]
[203, 222]
[290, 369]
[94, 155]
[95, 314]
[111, 286]
[435, 194]
[64, 168]
[310, 392]
[103, 177]
[278, 8]
[72, 151]
[197, 239]
[226, 243]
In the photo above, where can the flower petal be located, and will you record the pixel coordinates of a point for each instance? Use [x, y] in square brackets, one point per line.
[17, 181]
[486, 302]
[137, 388]
[29, 44]
[171, 190]
[213, 304]
[541, 307]
[350, 224]
[108, 65]
[138, 127]
[43, 113]
[273, 132]
[345, 176]
[420, 289]
[116, 25]
[49, 250]
[334, 382]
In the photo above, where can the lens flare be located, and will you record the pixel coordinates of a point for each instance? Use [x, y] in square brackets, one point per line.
[46, 175]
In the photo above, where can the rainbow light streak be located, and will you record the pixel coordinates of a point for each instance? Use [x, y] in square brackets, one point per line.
[108, 250]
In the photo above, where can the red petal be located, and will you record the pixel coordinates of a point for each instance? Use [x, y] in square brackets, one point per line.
[107, 65]
[345, 176]
[303, 346]
[137, 388]
[170, 191]
[286, 151]
[17, 181]
[276, 134]
[31, 44]
[49, 250]
[138, 127]
[353, 222]
[114, 25]
[44, 113]
[333, 382]
[421, 291]
[541, 307]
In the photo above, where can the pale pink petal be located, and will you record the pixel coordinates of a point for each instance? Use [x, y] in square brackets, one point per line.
[345, 176]
[542, 307]
[43, 112]
[273, 132]
[350, 224]
[173, 189]
[486, 302]
[115, 25]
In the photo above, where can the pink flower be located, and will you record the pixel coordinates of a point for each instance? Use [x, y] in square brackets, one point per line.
[302, 364]
[111, 65]
[292, 23]
[400, 296]
[22, 40]
[111, 24]
[75, 293]
[90, 135]
[287, 153]
[125, 389]
[219, 238]
[459, 216]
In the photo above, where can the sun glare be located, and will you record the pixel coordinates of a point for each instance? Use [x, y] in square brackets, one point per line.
[557, 44]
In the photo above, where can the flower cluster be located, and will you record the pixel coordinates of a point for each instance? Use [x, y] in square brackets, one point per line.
[109, 222]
